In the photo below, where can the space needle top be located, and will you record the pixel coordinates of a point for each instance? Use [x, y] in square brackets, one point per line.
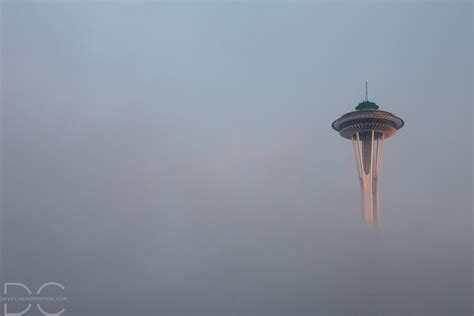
[367, 117]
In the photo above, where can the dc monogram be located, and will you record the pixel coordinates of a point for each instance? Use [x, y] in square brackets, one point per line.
[32, 297]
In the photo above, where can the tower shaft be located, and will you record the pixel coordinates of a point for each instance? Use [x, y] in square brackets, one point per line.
[368, 149]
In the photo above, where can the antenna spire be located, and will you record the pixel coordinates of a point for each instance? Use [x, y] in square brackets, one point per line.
[366, 92]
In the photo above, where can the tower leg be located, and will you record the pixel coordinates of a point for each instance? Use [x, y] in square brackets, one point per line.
[368, 148]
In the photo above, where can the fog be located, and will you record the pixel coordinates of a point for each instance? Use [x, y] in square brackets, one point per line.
[178, 158]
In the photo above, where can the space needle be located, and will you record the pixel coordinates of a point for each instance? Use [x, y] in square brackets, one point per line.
[368, 127]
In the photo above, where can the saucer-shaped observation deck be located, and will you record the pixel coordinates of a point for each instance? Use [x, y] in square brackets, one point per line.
[368, 118]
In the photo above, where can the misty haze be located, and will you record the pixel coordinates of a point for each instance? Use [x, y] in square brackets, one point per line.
[177, 158]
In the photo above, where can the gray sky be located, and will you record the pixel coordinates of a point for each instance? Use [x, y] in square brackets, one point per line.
[177, 158]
